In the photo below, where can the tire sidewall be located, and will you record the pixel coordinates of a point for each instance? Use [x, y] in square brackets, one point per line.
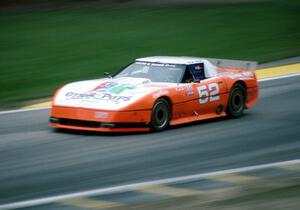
[237, 89]
[154, 126]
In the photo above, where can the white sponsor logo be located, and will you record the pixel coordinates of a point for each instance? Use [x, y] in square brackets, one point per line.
[189, 90]
[160, 93]
[101, 115]
[97, 96]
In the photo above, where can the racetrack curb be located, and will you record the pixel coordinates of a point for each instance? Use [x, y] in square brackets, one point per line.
[210, 186]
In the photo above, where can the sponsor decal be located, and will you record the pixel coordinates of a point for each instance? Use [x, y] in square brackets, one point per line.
[190, 91]
[198, 67]
[112, 87]
[248, 75]
[241, 75]
[101, 115]
[160, 93]
[98, 96]
[120, 88]
[104, 87]
[156, 85]
[180, 88]
[157, 64]
[107, 91]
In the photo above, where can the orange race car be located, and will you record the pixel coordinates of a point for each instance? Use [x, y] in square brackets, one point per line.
[155, 92]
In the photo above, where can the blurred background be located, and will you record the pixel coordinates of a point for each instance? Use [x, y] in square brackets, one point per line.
[46, 43]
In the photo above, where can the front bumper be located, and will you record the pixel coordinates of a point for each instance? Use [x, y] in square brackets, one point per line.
[99, 120]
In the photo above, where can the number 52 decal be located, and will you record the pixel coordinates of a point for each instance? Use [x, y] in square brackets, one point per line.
[208, 93]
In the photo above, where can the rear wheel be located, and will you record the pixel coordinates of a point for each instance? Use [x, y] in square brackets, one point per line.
[160, 117]
[237, 100]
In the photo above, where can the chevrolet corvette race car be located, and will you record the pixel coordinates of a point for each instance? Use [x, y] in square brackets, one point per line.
[155, 92]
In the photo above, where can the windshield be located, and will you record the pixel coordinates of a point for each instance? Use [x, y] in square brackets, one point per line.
[156, 72]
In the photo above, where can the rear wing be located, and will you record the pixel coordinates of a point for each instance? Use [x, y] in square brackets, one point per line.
[236, 64]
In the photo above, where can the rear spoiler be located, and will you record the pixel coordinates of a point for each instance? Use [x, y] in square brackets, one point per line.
[236, 64]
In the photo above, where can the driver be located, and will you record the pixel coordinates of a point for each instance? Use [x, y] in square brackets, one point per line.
[188, 77]
[197, 70]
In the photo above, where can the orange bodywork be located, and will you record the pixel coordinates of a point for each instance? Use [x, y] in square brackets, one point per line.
[188, 102]
[130, 117]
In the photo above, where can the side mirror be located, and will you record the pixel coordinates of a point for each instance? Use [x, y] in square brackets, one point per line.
[108, 75]
[197, 81]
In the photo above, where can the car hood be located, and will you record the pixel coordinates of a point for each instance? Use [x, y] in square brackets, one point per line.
[110, 94]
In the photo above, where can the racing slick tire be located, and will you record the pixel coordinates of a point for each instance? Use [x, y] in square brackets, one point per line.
[160, 116]
[236, 102]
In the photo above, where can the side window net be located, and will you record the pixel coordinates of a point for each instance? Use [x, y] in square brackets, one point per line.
[197, 70]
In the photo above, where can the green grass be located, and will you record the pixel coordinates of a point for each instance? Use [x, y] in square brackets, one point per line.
[41, 50]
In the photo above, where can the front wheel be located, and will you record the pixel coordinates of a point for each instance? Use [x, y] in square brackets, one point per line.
[160, 117]
[237, 100]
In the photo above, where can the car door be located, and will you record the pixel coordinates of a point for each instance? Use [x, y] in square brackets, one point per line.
[210, 91]
[211, 95]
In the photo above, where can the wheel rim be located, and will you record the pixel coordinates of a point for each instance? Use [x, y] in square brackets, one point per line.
[160, 115]
[237, 102]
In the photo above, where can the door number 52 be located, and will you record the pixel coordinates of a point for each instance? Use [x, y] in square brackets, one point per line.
[208, 93]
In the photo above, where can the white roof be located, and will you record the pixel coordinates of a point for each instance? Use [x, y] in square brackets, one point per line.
[171, 59]
[209, 68]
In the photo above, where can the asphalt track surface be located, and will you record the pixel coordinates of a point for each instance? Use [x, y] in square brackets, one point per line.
[38, 162]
